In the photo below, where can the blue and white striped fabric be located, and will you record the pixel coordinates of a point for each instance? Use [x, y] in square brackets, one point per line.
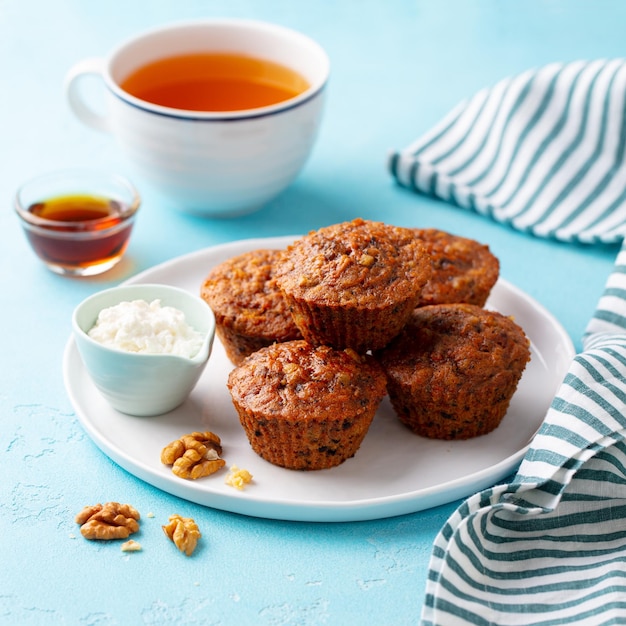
[542, 151]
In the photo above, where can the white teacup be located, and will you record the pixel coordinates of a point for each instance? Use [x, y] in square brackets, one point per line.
[214, 163]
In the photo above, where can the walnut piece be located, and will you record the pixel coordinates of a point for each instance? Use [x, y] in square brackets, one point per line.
[109, 521]
[184, 532]
[194, 455]
[367, 260]
[131, 546]
[238, 478]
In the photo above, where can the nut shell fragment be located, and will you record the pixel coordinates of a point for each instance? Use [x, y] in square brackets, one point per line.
[109, 521]
[184, 532]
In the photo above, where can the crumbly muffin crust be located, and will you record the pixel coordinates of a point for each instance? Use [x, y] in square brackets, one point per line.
[453, 370]
[305, 407]
[464, 270]
[353, 284]
[250, 310]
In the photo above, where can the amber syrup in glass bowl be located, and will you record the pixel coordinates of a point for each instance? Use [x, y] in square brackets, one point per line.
[78, 234]
[80, 214]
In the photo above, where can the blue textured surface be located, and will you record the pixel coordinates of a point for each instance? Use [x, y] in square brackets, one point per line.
[397, 67]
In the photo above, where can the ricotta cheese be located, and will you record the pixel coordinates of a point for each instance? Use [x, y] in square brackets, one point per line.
[146, 327]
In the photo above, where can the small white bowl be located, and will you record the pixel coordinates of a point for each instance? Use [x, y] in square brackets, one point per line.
[138, 383]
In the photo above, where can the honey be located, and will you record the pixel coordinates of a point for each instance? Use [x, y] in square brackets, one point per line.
[81, 211]
[77, 232]
[214, 82]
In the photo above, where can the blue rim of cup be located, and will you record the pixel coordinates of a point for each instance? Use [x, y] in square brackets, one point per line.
[181, 114]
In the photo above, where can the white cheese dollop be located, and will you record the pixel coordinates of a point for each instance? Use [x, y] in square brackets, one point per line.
[146, 327]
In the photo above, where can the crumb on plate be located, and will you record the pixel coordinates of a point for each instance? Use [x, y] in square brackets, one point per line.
[238, 478]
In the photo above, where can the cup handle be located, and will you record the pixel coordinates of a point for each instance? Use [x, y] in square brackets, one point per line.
[83, 69]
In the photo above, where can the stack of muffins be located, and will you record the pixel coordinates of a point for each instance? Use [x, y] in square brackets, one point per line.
[320, 332]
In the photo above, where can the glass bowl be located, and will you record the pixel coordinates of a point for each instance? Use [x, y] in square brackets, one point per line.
[78, 222]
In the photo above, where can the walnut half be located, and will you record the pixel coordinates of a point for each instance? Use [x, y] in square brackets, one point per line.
[184, 532]
[108, 521]
[194, 455]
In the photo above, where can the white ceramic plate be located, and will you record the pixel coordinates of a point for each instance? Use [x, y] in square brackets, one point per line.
[394, 471]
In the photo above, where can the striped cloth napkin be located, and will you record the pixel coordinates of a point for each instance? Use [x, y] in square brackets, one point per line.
[544, 153]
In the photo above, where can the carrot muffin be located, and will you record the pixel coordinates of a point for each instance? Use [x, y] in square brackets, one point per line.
[305, 407]
[464, 270]
[452, 371]
[354, 284]
[249, 308]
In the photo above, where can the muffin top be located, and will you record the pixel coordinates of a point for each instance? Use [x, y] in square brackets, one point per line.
[294, 380]
[464, 270]
[359, 263]
[243, 294]
[456, 344]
